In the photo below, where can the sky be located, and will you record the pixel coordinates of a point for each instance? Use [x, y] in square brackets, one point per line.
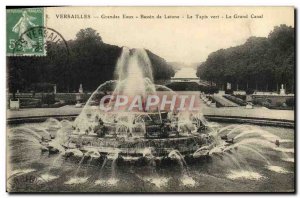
[176, 40]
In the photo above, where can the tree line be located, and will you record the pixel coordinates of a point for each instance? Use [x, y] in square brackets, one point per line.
[259, 64]
[89, 61]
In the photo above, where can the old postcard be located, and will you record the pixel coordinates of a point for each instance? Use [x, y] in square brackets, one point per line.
[150, 99]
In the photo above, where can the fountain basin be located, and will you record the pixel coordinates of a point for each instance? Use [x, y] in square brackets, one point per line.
[139, 147]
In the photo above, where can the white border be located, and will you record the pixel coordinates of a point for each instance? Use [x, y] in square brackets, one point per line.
[4, 3]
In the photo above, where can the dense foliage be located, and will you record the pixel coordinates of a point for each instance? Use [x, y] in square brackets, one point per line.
[260, 63]
[161, 69]
[90, 61]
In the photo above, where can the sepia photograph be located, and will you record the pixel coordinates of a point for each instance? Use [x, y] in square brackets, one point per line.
[150, 99]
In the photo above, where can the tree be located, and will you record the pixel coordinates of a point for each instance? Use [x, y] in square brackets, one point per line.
[89, 61]
[89, 35]
[260, 63]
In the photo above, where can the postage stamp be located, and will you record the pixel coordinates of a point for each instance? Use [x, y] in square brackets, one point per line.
[46, 37]
[19, 21]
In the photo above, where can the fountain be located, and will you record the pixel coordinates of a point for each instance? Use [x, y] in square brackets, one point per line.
[137, 124]
[128, 131]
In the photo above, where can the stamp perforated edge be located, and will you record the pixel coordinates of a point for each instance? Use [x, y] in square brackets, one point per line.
[44, 53]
